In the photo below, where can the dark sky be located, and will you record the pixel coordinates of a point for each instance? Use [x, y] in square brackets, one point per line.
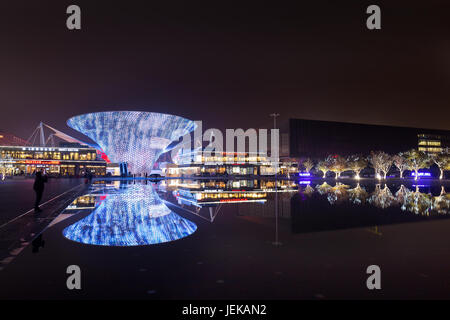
[226, 63]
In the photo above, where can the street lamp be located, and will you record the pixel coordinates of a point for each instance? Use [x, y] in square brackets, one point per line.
[276, 243]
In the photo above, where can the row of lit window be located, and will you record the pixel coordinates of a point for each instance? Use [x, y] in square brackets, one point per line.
[48, 155]
[234, 195]
[430, 149]
[230, 159]
[429, 143]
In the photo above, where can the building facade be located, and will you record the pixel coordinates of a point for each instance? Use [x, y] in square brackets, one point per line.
[198, 163]
[57, 161]
[318, 139]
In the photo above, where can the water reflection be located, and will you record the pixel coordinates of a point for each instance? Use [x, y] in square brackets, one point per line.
[134, 213]
[412, 200]
[205, 198]
[128, 215]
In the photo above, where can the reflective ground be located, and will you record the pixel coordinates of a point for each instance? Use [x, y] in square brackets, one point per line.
[241, 239]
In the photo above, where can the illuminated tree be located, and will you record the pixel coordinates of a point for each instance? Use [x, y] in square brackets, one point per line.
[308, 164]
[417, 160]
[323, 166]
[442, 160]
[337, 164]
[401, 163]
[381, 161]
[357, 163]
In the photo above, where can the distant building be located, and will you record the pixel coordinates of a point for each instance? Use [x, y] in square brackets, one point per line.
[20, 157]
[8, 139]
[62, 161]
[432, 143]
[198, 163]
[317, 139]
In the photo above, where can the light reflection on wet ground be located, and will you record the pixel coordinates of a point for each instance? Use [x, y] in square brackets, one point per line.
[129, 216]
[231, 254]
[128, 213]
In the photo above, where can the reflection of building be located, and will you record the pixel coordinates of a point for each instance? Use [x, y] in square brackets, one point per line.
[213, 192]
[135, 139]
[113, 169]
[83, 202]
[54, 160]
[199, 163]
[317, 139]
[268, 210]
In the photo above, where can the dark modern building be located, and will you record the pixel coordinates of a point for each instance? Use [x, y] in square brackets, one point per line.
[317, 139]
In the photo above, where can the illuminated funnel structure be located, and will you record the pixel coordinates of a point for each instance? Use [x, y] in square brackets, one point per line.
[131, 217]
[132, 137]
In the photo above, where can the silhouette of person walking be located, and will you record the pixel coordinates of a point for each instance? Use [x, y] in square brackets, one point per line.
[38, 187]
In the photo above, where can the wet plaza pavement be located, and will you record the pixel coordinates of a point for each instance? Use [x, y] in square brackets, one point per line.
[17, 195]
[326, 244]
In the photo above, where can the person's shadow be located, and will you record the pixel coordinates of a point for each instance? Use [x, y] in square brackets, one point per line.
[37, 243]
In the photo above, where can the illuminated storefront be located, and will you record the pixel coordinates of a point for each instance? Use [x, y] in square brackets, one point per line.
[198, 163]
[24, 160]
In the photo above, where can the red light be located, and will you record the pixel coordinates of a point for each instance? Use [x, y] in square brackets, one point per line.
[41, 162]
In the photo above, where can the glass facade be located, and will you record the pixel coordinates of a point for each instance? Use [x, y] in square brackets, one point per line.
[199, 163]
[19, 160]
[430, 143]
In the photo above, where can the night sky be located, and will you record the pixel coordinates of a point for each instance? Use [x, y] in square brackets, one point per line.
[226, 63]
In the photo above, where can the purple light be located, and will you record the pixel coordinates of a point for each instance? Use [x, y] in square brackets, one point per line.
[304, 174]
[421, 174]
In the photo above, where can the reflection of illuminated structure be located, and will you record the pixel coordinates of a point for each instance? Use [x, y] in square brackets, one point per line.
[382, 198]
[323, 188]
[441, 203]
[416, 202]
[358, 195]
[211, 192]
[131, 137]
[338, 193]
[131, 216]
[86, 202]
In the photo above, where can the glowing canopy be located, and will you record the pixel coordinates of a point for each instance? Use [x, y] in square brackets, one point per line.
[137, 138]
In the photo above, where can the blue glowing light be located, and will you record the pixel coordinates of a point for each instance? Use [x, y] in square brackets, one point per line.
[131, 217]
[304, 174]
[136, 138]
[421, 174]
